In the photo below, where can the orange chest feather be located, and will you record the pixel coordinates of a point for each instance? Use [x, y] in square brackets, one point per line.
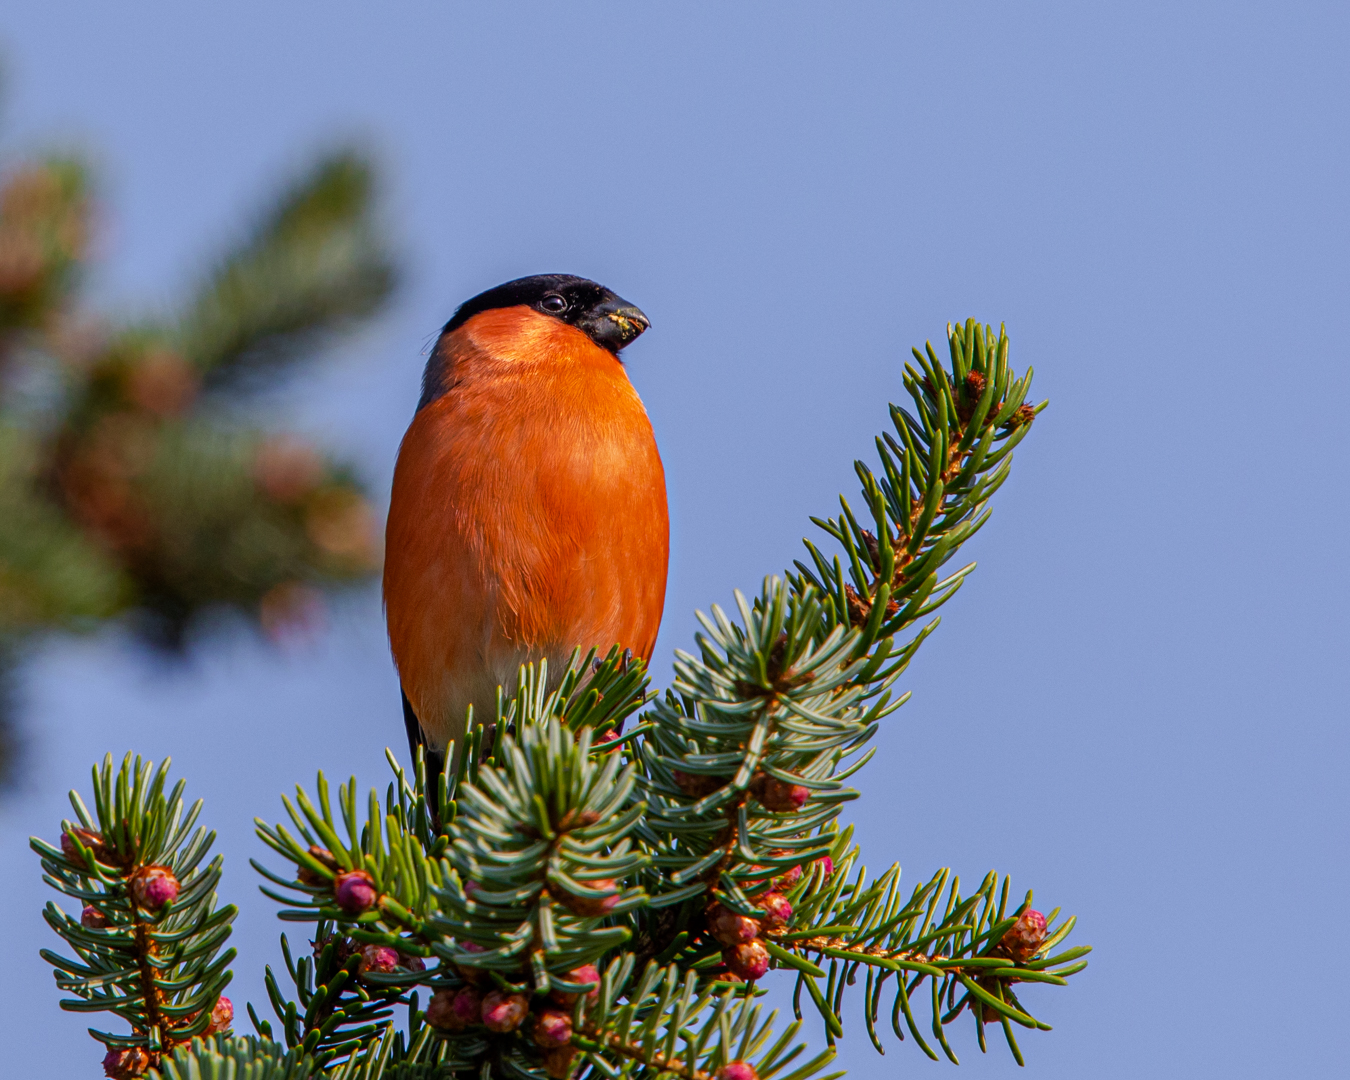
[529, 504]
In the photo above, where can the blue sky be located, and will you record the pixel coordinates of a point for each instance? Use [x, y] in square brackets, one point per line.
[1132, 705]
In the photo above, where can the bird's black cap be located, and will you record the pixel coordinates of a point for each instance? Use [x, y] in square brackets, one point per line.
[607, 319]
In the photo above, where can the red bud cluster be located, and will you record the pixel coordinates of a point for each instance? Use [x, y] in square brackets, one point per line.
[730, 928]
[777, 911]
[744, 954]
[737, 1070]
[379, 959]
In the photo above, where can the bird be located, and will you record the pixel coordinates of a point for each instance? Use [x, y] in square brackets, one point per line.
[528, 514]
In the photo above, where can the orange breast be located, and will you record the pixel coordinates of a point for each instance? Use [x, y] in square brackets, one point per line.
[528, 516]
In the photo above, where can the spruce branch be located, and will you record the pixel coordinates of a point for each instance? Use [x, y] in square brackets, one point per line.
[337, 1010]
[316, 263]
[665, 1025]
[959, 943]
[149, 937]
[952, 453]
[700, 846]
[539, 851]
[224, 1057]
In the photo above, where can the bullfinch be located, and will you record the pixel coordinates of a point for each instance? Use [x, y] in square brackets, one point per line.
[528, 515]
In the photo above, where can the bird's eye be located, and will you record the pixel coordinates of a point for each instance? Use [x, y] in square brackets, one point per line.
[553, 302]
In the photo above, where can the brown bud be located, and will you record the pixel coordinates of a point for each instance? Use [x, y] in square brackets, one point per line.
[975, 383]
[859, 610]
[698, 785]
[324, 857]
[574, 820]
[558, 1061]
[1022, 415]
[872, 546]
[778, 795]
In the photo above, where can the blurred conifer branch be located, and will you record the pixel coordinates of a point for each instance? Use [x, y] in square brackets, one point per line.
[124, 488]
[603, 882]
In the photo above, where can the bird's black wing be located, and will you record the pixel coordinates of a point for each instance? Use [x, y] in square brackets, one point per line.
[435, 760]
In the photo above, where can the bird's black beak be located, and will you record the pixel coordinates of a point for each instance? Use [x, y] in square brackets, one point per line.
[613, 324]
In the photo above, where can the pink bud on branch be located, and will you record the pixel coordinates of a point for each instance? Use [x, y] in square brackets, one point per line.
[380, 959]
[152, 887]
[92, 918]
[503, 1012]
[553, 1028]
[92, 841]
[777, 911]
[591, 907]
[584, 974]
[749, 960]
[455, 1010]
[126, 1064]
[1025, 937]
[222, 1016]
[355, 892]
[729, 928]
